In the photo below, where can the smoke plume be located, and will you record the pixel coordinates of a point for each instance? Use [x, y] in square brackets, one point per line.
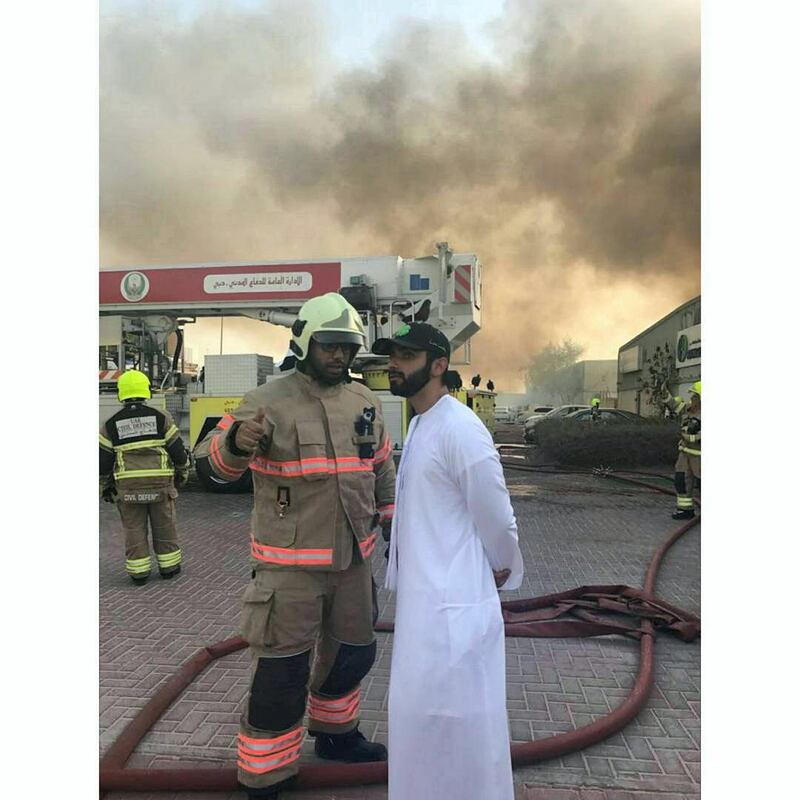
[570, 162]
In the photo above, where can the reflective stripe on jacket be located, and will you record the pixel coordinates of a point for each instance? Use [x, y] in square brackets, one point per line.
[140, 447]
[320, 487]
[689, 443]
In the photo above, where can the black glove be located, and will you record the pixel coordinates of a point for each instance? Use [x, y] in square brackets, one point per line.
[181, 477]
[109, 494]
[693, 426]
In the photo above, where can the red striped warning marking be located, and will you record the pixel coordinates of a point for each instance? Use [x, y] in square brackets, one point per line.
[463, 283]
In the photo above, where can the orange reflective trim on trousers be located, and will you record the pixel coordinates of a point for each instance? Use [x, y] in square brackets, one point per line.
[334, 703]
[368, 545]
[337, 710]
[259, 765]
[216, 459]
[271, 745]
[291, 556]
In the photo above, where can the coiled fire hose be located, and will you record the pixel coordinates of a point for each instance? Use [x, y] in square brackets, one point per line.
[529, 617]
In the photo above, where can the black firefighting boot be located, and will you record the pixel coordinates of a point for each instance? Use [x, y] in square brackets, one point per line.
[171, 573]
[351, 747]
[139, 580]
[687, 513]
[268, 792]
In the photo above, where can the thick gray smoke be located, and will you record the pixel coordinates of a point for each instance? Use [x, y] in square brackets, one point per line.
[570, 163]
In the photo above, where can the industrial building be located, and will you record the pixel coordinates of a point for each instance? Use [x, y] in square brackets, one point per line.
[679, 333]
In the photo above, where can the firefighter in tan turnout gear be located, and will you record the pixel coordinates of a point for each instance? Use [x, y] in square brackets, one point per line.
[142, 461]
[323, 486]
[687, 467]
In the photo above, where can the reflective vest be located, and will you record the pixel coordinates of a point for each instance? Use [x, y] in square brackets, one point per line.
[323, 474]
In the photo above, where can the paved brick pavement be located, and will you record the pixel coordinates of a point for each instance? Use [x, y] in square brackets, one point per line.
[573, 529]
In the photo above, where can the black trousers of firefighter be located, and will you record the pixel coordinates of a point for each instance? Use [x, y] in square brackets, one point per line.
[312, 641]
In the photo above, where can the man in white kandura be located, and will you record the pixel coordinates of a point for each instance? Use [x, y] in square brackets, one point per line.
[453, 543]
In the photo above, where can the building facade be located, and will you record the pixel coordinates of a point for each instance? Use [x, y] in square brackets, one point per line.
[678, 336]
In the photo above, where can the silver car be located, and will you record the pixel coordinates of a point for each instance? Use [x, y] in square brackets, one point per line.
[536, 411]
[560, 411]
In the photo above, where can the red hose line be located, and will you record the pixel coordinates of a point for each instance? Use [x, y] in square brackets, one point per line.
[186, 776]
[121, 750]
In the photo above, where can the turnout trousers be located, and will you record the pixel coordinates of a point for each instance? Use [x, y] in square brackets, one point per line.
[311, 641]
[163, 528]
[687, 479]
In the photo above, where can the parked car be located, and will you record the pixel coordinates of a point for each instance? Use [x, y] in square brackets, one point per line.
[536, 411]
[502, 414]
[560, 411]
[607, 415]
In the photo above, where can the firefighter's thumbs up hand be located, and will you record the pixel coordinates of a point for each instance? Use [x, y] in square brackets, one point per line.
[250, 431]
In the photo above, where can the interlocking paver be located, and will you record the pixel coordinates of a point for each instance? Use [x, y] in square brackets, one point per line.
[574, 530]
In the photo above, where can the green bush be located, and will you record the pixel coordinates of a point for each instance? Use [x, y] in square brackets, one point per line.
[569, 442]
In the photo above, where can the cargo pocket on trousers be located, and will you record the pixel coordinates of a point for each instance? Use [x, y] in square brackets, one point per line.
[311, 441]
[256, 616]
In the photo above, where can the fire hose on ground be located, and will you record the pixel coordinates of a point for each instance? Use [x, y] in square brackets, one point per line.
[585, 611]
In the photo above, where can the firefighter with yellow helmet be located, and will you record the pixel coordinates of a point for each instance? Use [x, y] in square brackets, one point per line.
[142, 462]
[323, 488]
[687, 467]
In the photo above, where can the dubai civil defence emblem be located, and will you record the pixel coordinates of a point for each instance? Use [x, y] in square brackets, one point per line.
[134, 286]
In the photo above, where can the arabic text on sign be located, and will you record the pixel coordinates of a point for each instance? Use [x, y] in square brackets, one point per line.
[258, 282]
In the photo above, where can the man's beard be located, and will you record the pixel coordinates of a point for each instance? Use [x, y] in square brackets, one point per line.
[412, 384]
[319, 373]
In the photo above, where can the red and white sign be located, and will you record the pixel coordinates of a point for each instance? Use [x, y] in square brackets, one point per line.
[463, 283]
[225, 284]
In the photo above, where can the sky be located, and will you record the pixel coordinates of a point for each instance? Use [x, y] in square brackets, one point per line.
[357, 28]
[557, 139]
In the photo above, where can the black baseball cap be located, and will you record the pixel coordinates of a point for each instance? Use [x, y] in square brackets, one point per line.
[415, 336]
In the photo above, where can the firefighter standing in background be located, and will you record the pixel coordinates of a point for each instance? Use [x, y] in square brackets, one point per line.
[595, 409]
[142, 461]
[687, 467]
[323, 486]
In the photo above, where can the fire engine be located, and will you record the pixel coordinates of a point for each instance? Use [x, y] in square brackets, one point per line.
[144, 310]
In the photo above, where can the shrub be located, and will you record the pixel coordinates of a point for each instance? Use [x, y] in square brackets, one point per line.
[569, 442]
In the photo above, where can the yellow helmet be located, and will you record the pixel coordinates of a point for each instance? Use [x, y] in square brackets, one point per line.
[695, 389]
[133, 383]
[595, 401]
[328, 319]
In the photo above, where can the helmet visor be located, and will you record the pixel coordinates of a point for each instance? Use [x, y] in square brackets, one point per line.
[338, 337]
